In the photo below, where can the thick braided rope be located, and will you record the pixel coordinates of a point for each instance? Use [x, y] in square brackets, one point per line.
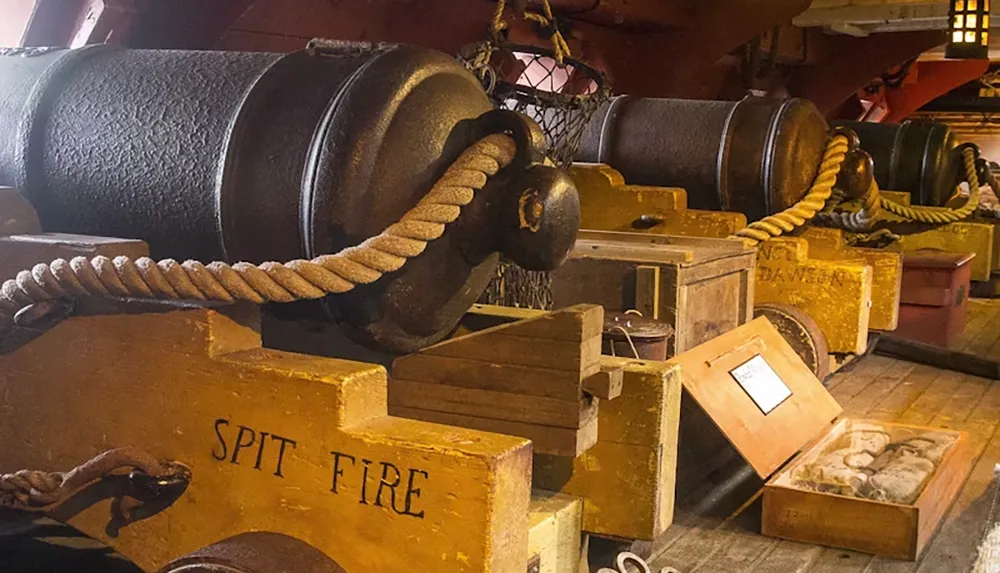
[807, 207]
[941, 215]
[269, 282]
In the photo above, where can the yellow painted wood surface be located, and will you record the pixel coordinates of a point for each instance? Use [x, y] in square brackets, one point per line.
[836, 294]
[276, 442]
[608, 204]
[627, 479]
[887, 271]
[554, 534]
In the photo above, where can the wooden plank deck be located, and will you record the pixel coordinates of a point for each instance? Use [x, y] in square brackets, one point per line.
[725, 538]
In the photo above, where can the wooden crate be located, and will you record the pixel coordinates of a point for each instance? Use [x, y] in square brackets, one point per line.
[900, 530]
[934, 296]
[771, 407]
[700, 287]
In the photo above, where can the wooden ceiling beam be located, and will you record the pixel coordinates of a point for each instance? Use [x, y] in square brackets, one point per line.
[853, 62]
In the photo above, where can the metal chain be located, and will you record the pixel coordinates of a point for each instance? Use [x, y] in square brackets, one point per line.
[269, 282]
[30, 490]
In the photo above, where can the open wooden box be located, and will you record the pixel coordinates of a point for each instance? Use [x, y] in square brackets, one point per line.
[866, 516]
[773, 409]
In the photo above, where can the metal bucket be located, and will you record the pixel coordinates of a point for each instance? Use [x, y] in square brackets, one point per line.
[632, 336]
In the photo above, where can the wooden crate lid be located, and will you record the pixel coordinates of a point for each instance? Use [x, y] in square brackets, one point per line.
[935, 259]
[799, 409]
[652, 248]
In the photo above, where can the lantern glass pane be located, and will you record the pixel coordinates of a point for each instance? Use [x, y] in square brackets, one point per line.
[986, 39]
[959, 5]
[957, 24]
[956, 37]
[986, 5]
[970, 37]
[972, 5]
[970, 22]
[986, 21]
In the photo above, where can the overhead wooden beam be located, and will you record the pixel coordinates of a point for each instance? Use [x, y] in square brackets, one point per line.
[683, 63]
[934, 79]
[186, 24]
[853, 62]
[884, 15]
[632, 14]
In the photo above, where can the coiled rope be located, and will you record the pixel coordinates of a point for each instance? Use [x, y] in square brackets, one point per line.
[271, 281]
[807, 207]
[874, 202]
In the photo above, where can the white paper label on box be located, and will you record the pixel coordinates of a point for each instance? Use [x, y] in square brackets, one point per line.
[761, 383]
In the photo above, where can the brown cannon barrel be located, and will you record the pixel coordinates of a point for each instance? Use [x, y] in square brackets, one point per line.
[915, 156]
[756, 156]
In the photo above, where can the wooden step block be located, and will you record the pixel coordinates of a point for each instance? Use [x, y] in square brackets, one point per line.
[294, 444]
[496, 405]
[549, 440]
[522, 378]
[606, 384]
[493, 376]
[627, 479]
[498, 345]
[836, 294]
[554, 531]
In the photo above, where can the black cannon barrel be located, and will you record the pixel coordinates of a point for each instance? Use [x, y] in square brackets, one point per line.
[256, 157]
[914, 156]
[756, 156]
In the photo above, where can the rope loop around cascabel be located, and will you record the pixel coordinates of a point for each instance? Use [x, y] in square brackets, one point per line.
[873, 202]
[810, 204]
[270, 281]
[942, 215]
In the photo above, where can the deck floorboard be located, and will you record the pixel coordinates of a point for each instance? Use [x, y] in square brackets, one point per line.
[887, 390]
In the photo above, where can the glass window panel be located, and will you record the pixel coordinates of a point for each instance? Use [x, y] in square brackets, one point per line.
[957, 24]
[972, 5]
[970, 37]
[956, 37]
[986, 39]
[970, 22]
[959, 5]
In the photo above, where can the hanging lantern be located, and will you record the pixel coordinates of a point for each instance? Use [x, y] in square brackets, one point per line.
[969, 30]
